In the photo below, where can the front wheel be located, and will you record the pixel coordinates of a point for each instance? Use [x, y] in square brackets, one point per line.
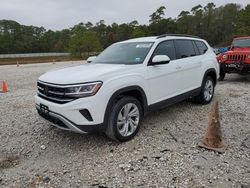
[207, 91]
[124, 119]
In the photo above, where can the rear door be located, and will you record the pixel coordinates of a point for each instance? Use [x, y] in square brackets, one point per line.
[190, 64]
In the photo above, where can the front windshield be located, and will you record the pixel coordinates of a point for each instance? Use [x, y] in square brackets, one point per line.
[125, 53]
[241, 43]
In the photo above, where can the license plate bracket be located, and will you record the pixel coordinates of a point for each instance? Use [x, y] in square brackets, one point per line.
[232, 65]
[44, 109]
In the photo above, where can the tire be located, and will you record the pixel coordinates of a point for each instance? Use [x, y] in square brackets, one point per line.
[122, 127]
[222, 75]
[207, 91]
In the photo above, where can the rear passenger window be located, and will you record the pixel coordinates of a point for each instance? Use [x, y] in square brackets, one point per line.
[184, 48]
[166, 48]
[201, 46]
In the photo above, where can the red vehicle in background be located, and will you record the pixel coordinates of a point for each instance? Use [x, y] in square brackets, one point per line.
[236, 59]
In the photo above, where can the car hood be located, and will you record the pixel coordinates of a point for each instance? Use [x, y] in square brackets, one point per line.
[83, 73]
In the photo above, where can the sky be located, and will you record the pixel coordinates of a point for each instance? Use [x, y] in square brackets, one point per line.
[61, 14]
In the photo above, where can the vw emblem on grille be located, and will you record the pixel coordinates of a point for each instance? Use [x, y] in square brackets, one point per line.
[46, 89]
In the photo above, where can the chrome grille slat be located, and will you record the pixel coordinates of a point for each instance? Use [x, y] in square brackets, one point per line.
[55, 99]
[53, 93]
[40, 88]
[56, 93]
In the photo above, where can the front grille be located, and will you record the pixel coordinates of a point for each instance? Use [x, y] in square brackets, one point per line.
[53, 93]
[237, 57]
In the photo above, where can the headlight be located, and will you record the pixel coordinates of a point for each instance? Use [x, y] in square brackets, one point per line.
[83, 90]
[224, 56]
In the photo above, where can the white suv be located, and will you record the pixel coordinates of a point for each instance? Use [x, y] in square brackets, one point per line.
[126, 82]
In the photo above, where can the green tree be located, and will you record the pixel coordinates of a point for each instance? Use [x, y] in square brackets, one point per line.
[124, 32]
[196, 20]
[184, 22]
[138, 32]
[243, 23]
[217, 25]
[158, 15]
[84, 42]
[134, 24]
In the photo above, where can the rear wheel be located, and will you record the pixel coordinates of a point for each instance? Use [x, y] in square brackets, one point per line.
[124, 119]
[207, 91]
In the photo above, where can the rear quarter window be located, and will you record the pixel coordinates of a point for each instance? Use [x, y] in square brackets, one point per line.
[201, 46]
[196, 48]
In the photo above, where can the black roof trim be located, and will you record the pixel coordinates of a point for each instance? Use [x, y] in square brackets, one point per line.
[177, 35]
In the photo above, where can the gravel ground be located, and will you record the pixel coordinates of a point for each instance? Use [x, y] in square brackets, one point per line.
[163, 154]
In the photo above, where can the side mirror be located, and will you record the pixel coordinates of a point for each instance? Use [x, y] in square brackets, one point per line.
[90, 59]
[160, 59]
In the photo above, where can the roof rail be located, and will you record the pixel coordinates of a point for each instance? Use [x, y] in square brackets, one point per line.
[176, 35]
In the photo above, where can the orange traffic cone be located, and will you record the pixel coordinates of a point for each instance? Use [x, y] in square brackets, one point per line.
[4, 87]
[213, 136]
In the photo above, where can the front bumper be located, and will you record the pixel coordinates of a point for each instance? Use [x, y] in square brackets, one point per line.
[63, 123]
[68, 116]
[235, 67]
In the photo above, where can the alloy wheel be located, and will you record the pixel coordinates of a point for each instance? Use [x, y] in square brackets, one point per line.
[128, 119]
[208, 90]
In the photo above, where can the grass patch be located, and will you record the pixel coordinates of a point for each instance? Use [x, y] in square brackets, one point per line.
[30, 60]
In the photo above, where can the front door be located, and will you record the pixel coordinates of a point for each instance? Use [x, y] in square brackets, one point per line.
[163, 80]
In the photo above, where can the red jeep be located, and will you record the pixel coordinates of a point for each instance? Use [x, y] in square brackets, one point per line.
[237, 59]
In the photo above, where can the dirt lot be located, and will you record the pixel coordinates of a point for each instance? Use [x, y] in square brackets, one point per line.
[164, 154]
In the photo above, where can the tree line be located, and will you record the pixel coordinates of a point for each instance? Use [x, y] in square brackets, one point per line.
[218, 25]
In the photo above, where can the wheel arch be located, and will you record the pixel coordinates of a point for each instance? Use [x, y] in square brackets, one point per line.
[134, 91]
[211, 72]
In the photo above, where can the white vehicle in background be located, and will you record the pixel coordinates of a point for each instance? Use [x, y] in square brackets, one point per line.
[126, 82]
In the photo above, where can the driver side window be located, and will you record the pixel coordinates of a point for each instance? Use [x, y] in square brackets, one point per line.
[166, 48]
